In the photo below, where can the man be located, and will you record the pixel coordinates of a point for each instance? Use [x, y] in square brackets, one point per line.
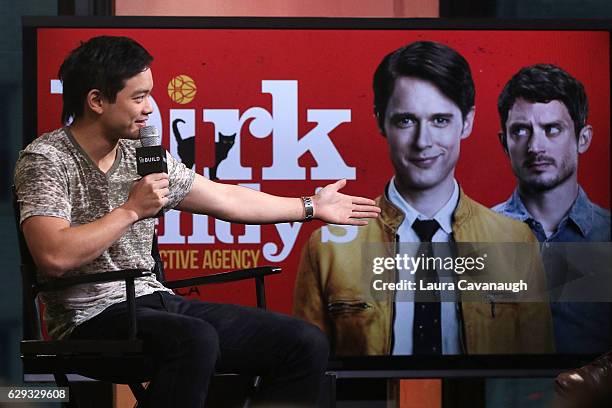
[84, 210]
[424, 105]
[543, 112]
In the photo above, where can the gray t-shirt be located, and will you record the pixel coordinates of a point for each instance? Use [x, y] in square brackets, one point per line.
[54, 177]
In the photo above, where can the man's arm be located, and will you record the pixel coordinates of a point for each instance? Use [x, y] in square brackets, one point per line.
[243, 205]
[57, 247]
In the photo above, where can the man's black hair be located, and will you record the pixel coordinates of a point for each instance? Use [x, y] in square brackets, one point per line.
[543, 83]
[426, 60]
[104, 63]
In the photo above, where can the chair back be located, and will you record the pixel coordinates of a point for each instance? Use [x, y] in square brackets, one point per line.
[158, 269]
[29, 302]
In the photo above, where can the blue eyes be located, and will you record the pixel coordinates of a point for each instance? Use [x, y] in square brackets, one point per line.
[441, 122]
[406, 122]
[521, 132]
[550, 130]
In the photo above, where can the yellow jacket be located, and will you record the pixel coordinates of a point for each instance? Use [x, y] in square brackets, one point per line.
[330, 293]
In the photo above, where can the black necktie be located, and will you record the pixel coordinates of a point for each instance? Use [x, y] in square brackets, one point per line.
[427, 328]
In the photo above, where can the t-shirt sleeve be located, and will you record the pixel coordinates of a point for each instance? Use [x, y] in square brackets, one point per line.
[180, 180]
[41, 186]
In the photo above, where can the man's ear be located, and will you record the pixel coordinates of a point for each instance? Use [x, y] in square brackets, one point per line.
[503, 141]
[468, 123]
[94, 101]
[584, 138]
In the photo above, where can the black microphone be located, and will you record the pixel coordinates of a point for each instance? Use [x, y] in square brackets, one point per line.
[151, 157]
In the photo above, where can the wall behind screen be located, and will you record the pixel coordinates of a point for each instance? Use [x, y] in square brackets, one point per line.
[295, 8]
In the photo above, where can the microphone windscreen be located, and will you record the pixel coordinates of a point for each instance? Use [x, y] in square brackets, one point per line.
[149, 136]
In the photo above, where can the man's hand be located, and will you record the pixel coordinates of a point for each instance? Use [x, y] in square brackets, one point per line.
[336, 208]
[148, 196]
[243, 205]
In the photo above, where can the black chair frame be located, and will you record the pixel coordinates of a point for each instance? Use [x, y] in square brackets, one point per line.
[61, 358]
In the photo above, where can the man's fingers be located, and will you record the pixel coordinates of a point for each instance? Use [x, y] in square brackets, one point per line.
[155, 177]
[157, 180]
[159, 184]
[363, 201]
[367, 208]
[159, 176]
[364, 214]
[356, 221]
[339, 184]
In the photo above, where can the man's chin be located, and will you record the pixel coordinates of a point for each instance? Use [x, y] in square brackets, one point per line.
[546, 181]
[421, 184]
[540, 184]
[133, 135]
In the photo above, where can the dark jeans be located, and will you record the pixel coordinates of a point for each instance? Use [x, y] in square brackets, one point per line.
[189, 340]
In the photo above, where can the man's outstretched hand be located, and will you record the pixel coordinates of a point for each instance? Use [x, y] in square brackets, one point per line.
[334, 207]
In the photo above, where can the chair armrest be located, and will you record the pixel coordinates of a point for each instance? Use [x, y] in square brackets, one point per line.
[130, 293]
[223, 277]
[258, 274]
[62, 283]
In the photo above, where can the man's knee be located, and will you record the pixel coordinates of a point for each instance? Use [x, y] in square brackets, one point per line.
[312, 343]
[201, 340]
[193, 341]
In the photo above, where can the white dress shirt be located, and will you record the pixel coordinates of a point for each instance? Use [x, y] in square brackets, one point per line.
[404, 310]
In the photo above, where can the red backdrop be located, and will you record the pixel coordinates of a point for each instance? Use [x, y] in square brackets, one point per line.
[333, 70]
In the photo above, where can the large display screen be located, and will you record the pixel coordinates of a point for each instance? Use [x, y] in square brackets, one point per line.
[286, 107]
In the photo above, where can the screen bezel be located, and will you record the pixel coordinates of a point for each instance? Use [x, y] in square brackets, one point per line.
[369, 366]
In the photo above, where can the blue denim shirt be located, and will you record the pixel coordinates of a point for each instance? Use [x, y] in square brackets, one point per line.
[580, 327]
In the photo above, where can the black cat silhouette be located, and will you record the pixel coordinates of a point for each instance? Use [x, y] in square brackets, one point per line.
[186, 147]
[222, 148]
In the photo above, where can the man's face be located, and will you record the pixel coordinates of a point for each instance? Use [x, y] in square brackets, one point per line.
[129, 112]
[423, 129]
[541, 144]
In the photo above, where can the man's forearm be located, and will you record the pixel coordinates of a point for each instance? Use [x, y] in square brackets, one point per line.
[71, 247]
[240, 204]
[247, 206]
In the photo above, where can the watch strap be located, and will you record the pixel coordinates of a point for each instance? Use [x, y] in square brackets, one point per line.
[308, 208]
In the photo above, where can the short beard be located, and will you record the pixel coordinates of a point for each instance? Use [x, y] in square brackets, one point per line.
[538, 186]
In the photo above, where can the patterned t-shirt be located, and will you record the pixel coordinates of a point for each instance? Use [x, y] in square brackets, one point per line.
[55, 177]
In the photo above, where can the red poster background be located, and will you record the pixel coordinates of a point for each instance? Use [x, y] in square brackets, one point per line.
[334, 71]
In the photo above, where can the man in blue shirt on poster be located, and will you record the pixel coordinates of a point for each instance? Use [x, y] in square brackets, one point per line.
[543, 113]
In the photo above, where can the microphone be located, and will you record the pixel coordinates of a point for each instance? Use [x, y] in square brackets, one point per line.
[151, 157]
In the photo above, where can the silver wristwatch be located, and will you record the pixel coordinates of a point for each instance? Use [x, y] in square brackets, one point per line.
[308, 209]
